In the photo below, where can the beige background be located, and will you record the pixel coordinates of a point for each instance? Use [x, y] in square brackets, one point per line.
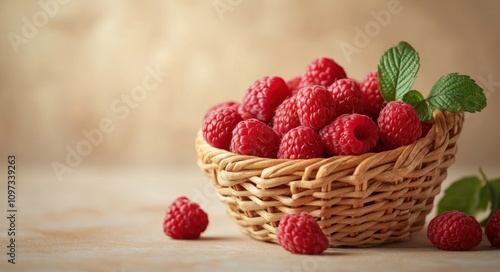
[65, 78]
[66, 65]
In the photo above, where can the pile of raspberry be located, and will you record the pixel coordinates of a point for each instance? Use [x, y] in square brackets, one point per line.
[320, 114]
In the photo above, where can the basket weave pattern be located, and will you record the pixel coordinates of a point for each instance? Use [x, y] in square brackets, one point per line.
[358, 201]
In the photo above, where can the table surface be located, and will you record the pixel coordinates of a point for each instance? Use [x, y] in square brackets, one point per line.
[111, 220]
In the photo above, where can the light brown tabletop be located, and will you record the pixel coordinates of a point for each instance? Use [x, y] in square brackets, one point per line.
[111, 220]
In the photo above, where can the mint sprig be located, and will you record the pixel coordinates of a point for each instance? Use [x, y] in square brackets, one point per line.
[472, 195]
[397, 71]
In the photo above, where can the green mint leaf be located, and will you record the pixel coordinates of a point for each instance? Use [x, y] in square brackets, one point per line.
[493, 188]
[457, 93]
[484, 199]
[397, 71]
[462, 195]
[417, 100]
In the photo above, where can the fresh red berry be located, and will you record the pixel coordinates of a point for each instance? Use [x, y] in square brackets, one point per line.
[426, 127]
[245, 114]
[315, 107]
[454, 230]
[217, 128]
[492, 229]
[286, 116]
[227, 104]
[299, 233]
[184, 220]
[347, 96]
[350, 134]
[294, 85]
[399, 124]
[300, 143]
[252, 137]
[373, 101]
[323, 72]
[262, 98]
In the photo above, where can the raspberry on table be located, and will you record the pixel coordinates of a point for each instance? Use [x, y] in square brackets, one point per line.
[399, 124]
[299, 233]
[253, 137]
[492, 229]
[263, 96]
[226, 104]
[184, 220]
[373, 101]
[347, 96]
[286, 116]
[350, 134]
[300, 143]
[315, 107]
[454, 230]
[217, 128]
[323, 72]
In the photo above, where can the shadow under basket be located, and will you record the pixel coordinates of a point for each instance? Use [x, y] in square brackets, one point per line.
[358, 201]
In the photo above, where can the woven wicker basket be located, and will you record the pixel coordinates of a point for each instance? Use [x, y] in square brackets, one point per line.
[358, 201]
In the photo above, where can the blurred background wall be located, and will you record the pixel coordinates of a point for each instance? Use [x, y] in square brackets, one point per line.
[136, 77]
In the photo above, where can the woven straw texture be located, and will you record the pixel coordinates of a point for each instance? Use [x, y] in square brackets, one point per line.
[358, 201]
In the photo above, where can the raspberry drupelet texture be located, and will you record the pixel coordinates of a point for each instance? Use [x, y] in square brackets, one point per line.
[217, 128]
[300, 143]
[226, 104]
[399, 124]
[253, 137]
[294, 85]
[286, 116]
[492, 229]
[454, 230]
[315, 107]
[184, 220]
[299, 233]
[350, 134]
[373, 101]
[263, 96]
[347, 96]
[323, 72]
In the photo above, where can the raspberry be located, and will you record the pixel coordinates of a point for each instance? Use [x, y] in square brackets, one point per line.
[492, 229]
[262, 98]
[227, 104]
[323, 72]
[217, 128]
[184, 220]
[454, 230]
[300, 233]
[252, 137]
[286, 116]
[315, 107]
[245, 114]
[350, 134]
[373, 100]
[300, 143]
[399, 124]
[294, 85]
[347, 96]
[426, 127]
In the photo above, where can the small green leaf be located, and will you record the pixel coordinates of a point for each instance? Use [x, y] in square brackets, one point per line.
[417, 100]
[495, 194]
[397, 71]
[493, 188]
[484, 199]
[457, 93]
[462, 195]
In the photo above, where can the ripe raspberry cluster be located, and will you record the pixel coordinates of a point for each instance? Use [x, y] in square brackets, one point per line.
[319, 114]
[454, 230]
